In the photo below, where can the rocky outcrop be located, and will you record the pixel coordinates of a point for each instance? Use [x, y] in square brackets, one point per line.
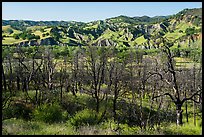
[149, 28]
[104, 42]
[79, 37]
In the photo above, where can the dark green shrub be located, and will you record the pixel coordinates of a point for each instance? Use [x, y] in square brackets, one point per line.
[190, 31]
[10, 31]
[180, 31]
[71, 104]
[37, 37]
[48, 113]
[84, 117]
[42, 30]
[18, 110]
[16, 36]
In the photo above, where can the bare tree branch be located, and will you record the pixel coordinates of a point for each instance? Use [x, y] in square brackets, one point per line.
[195, 101]
[164, 95]
[191, 97]
[157, 73]
[21, 61]
[4, 101]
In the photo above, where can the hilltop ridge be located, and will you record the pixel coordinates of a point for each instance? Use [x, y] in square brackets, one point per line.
[183, 28]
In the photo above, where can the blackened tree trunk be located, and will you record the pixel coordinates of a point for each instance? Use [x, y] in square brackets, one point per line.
[116, 92]
[36, 97]
[10, 76]
[186, 106]
[61, 84]
[176, 97]
[18, 82]
[4, 78]
[73, 90]
[18, 76]
[97, 103]
[114, 109]
[61, 93]
[179, 114]
[194, 113]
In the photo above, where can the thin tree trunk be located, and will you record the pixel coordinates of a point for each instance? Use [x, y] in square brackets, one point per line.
[73, 90]
[114, 102]
[97, 104]
[61, 85]
[40, 98]
[36, 96]
[194, 86]
[61, 93]
[114, 109]
[141, 112]
[4, 78]
[10, 76]
[18, 82]
[186, 105]
[194, 113]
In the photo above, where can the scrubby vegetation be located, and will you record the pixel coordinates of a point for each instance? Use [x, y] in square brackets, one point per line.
[85, 122]
[93, 90]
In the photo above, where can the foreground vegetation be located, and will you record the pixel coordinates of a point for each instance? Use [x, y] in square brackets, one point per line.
[101, 90]
[80, 120]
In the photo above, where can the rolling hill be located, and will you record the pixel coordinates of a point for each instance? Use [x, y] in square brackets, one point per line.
[183, 28]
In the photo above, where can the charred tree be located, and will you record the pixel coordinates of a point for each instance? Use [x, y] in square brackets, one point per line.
[176, 97]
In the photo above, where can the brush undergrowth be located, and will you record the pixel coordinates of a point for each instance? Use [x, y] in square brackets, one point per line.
[56, 119]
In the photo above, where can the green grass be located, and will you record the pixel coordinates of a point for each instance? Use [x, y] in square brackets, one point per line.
[11, 40]
[183, 26]
[185, 63]
[185, 129]
[35, 30]
[20, 127]
[46, 37]
[180, 59]
[91, 27]
[173, 36]
[67, 39]
[47, 30]
[39, 33]
[15, 126]
[6, 28]
[122, 38]
[114, 36]
[110, 34]
[140, 40]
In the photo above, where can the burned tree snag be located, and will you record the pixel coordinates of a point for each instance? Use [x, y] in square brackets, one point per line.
[176, 97]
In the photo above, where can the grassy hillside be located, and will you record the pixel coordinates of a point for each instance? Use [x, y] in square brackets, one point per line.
[121, 30]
